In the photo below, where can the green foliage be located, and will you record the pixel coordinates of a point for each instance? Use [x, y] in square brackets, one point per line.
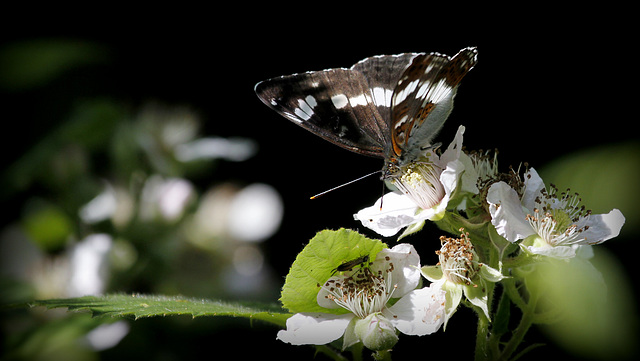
[139, 306]
[318, 261]
[47, 225]
[29, 64]
[605, 177]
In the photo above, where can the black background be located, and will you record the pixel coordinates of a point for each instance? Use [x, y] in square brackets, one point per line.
[546, 84]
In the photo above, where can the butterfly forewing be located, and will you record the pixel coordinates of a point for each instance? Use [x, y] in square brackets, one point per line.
[335, 104]
[382, 73]
[423, 99]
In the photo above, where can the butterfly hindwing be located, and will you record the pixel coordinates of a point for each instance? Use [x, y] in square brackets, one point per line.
[335, 104]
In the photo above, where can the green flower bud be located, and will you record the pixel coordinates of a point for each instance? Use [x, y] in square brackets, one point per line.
[376, 332]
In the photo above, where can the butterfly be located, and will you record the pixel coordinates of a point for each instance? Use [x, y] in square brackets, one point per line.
[386, 106]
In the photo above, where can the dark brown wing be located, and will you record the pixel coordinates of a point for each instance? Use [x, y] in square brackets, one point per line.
[423, 99]
[335, 104]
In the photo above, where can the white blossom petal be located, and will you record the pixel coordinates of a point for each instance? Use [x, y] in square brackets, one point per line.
[450, 175]
[420, 312]
[454, 149]
[507, 214]
[314, 328]
[397, 212]
[603, 227]
[469, 180]
[560, 252]
[406, 267]
[533, 184]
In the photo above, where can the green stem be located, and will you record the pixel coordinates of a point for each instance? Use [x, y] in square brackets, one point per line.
[330, 352]
[382, 356]
[482, 338]
[518, 335]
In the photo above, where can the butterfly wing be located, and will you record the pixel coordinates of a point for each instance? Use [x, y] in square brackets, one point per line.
[335, 104]
[423, 99]
[382, 73]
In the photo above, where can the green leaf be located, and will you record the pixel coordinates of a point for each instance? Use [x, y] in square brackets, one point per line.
[138, 306]
[318, 261]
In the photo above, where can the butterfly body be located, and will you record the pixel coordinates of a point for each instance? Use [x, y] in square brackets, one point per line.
[387, 106]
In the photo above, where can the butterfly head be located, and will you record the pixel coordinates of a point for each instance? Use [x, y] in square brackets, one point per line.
[391, 170]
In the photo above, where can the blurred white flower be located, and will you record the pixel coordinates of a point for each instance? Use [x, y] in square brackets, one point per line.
[255, 213]
[89, 265]
[107, 335]
[100, 208]
[112, 203]
[232, 149]
[167, 198]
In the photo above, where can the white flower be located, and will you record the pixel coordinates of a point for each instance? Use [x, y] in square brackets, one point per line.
[550, 224]
[458, 271]
[426, 185]
[365, 293]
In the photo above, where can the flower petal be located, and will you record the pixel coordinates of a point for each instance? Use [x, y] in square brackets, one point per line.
[397, 212]
[559, 252]
[449, 176]
[507, 214]
[469, 179]
[454, 149]
[533, 184]
[314, 328]
[406, 267]
[603, 227]
[420, 312]
[323, 295]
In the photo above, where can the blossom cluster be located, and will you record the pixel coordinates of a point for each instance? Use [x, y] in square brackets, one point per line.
[513, 215]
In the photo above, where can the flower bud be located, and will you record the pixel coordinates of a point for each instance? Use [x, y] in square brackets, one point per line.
[376, 332]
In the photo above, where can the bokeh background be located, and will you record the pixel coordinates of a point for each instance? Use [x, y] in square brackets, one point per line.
[137, 158]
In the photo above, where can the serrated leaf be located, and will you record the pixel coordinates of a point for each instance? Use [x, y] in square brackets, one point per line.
[318, 261]
[138, 306]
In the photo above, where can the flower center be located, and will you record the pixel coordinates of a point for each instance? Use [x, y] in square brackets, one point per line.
[556, 217]
[363, 292]
[421, 182]
[457, 257]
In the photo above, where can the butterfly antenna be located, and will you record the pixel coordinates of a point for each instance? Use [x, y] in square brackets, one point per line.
[382, 196]
[345, 184]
